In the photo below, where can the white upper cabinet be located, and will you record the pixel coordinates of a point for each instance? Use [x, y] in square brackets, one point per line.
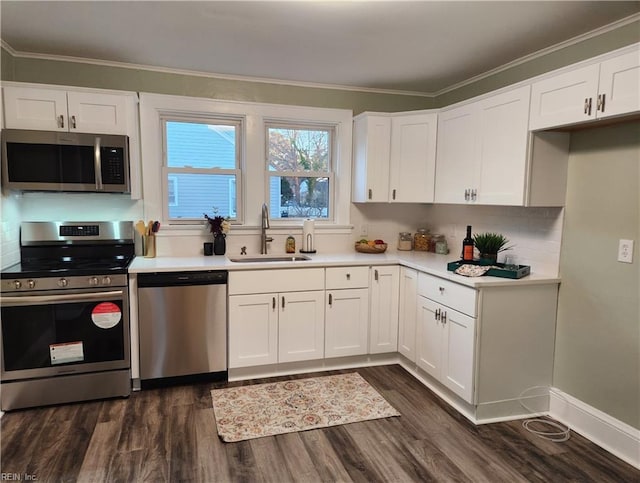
[413, 158]
[482, 151]
[60, 110]
[371, 152]
[394, 157]
[597, 91]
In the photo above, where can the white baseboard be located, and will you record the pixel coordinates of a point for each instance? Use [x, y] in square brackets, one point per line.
[616, 437]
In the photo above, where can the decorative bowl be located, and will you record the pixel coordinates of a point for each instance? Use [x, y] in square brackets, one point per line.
[365, 248]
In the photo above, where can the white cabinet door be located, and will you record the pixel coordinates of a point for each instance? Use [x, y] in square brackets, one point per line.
[564, 99]
[413, 158]
[458, 352]
[407, 313]
[97, 113]
[619, 86]
[40, 109]
[371, 150]
[429, 337]
[301, 326]
[503, 132]
[253, 330]
[346, 322]
[457, 153]
[383, 321]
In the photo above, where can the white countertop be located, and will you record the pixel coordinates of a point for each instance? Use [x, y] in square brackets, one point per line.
[423, 261]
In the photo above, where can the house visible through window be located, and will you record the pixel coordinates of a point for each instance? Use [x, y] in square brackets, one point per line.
[299, 160]
[202, 164]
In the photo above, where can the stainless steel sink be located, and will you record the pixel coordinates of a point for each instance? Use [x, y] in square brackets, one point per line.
[269, 258]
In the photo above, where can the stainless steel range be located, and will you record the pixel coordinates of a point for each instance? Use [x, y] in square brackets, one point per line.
[65, 314]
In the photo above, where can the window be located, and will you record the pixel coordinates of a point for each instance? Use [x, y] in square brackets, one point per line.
[299, 165]
[202, 159]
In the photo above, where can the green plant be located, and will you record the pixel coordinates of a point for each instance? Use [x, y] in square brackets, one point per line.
[490, 243]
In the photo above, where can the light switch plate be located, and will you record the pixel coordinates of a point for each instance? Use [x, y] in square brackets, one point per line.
[625, 251]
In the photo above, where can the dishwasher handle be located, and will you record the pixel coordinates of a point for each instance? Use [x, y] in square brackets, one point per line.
[177, 279]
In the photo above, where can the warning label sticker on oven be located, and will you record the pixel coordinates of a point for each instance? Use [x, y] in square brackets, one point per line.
[66, 352]
[106, 315]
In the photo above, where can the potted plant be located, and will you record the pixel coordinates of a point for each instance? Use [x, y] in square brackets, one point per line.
[489, 245]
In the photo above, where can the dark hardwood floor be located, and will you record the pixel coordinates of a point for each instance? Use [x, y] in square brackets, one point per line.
[170, 435]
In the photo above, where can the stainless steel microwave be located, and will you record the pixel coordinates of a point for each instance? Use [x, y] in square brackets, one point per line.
[61, 161]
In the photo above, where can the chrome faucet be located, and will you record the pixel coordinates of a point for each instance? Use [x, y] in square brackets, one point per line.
[264, 239]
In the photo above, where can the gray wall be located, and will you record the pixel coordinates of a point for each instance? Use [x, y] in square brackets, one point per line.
[597, 358]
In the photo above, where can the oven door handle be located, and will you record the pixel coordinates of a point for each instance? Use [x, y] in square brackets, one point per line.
[80, 297]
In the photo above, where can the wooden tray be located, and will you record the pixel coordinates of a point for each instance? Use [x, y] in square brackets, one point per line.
[364, 248]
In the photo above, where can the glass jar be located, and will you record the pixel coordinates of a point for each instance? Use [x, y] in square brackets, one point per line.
[405, 241]
[421, 240]
[441, 246]
[434, 239]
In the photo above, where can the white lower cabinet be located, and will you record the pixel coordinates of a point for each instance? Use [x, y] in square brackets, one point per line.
[383, 319]
[407, 313]
[446, 346]
[253, 330]
[347, 311]
[301, 326]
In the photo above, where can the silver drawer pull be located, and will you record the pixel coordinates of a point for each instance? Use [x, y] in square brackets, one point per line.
[441, 290]
[348, 276]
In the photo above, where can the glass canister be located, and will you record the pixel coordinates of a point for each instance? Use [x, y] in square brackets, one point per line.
[421, 240]
[405, 241]
[441, 246]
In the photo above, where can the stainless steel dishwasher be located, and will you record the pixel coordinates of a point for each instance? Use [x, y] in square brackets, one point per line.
[182, 318]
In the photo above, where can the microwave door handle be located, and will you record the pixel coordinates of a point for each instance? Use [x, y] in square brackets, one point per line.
[97, 161]
[37, 299]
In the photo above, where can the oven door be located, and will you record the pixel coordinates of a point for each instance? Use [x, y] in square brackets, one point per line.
[64, 332]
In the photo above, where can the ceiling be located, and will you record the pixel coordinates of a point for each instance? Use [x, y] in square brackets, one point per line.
[416, 46]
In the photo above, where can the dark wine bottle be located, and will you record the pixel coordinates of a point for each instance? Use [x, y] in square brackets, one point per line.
[467, 246]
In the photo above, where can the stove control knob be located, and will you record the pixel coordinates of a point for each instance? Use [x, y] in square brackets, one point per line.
[31, 283]
[106, 281]
[17, 284]
[93, 281]
[63, 282]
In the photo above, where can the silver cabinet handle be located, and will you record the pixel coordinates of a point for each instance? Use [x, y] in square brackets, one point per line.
[444, 317]
[600, 105]
[273, 303]
[60, 120]
[97, 161]
[394, 194]
[283, 301]
[437, 314]
[330, 300]
[370, 193]
[73, 122]
[586, 105]
[375, 275]
[474, 194]
[466, 194]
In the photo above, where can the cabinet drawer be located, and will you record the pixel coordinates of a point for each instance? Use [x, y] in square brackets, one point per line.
[451, 294]
[347, 277]
[267, 281]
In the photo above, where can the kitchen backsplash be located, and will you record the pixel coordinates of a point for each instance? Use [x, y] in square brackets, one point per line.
[534, 233]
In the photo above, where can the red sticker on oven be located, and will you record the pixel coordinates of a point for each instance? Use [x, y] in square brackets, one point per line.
[106, 315]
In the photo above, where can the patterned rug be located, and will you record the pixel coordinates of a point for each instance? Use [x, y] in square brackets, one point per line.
[259, 410]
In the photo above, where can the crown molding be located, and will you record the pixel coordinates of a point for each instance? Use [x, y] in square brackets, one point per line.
[541, 53]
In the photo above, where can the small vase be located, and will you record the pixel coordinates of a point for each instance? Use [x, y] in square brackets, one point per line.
[219, 244]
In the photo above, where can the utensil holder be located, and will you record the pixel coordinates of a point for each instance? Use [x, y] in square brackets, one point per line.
[149, 246]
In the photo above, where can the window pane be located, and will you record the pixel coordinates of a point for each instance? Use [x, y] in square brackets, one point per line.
[195, 194]
[299, 149]
[298, 197]
[200, 145]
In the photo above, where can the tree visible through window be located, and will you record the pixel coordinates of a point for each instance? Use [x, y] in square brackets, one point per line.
[300, 174]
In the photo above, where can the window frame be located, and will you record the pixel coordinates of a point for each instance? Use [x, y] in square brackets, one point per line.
[331, 128]
[213, 119]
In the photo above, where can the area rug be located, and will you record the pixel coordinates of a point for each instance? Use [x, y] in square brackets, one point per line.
[249, 412]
